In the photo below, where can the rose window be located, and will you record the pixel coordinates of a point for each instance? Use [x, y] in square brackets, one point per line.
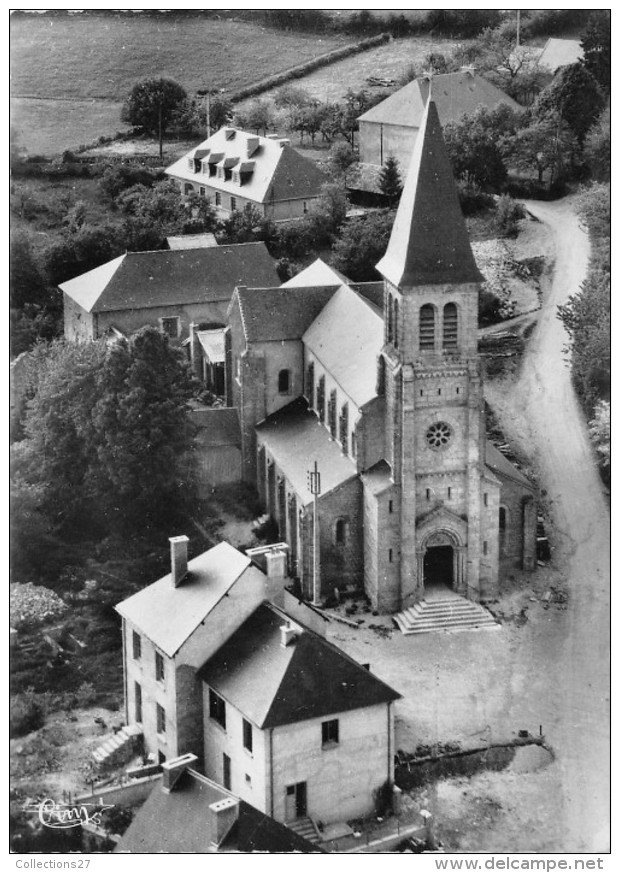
[438, 435]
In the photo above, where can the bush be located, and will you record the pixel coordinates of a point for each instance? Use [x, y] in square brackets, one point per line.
[472, 198]
[26, 714]
[507, 214]
[117, 179]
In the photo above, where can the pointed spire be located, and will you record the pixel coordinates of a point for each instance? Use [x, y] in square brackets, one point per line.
[429, 244]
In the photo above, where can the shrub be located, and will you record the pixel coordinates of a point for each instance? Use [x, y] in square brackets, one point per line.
[507, 214]
[26, 714]
[472, 198]
[117, 179]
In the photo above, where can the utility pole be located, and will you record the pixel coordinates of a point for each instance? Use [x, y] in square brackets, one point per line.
[314, 487]
[518, 26]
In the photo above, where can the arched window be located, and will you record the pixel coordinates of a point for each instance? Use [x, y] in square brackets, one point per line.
[310, 384]
[389, 320]
[284, 381]
[320, 399]
[395, 323]
[189, 188]
[381, 376]
[450, 326]
[341, 531]
[427, 327]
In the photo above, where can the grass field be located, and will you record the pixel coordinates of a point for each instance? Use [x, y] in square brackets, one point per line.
[102, 55]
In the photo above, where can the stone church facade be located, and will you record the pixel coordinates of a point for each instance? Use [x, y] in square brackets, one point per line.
[387, 398]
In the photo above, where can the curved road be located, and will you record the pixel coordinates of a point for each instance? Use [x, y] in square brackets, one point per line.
[578, 680]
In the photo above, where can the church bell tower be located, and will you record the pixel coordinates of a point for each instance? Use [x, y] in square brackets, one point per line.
[430, 372]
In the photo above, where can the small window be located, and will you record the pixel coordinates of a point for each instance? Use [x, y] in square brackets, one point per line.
[138, 701]
[332, 414]
[486, 499]
[137, 646]
[226, 775]
[189, 189]
[159, 667]
[340, 532]
[428, 493]
[330, 732]
[218, 198]
[248, 779]
[212, 169]
[390, 555]
[284, 382]
[203, 191]
[449, 493]
[391, 506]
[217, 708]
[233, 204]
[320, 399]
[247, 735]
[161, 719]
[450, 326]
[170, 326]
[485, 547]
[310, 384]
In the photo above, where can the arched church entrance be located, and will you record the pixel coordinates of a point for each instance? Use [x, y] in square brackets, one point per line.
[441, 562]
[439, 566]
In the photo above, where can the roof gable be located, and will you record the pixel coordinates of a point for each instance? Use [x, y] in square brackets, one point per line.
[346, 337]
[318, 273]
[274, 685]
[210, 576]
[429, 244]
[143, 280]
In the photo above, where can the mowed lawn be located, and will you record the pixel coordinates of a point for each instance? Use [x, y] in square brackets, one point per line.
[101, 56]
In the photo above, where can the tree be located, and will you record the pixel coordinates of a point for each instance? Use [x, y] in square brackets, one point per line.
[600, 432]
[340, 159]
[247, 225]
[119, 177]
[475, 145]
[597, 147]
[194, 116]
[81, 250]
[152, 104]
[596, 44]
[547, 145]
[362, 244]
[106, 435]
[390, 183]
[26, 280]
[291, 96]
[575, 96]
[257, 115]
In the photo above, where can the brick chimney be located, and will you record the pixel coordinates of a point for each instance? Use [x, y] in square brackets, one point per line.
[178, 559]
[173, 769]
[223, 814]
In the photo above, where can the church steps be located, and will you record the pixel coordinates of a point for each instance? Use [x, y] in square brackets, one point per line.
[444, 615]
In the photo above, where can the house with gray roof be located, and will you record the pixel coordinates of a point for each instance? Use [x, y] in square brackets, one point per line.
[168, 289]
[234, 169]
[186, 812]
[288, 719]
[390, 128]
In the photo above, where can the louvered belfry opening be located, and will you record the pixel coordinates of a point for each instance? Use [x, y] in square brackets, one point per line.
[427, 327]
[450, 326]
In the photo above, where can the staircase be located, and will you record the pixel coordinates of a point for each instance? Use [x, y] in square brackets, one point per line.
[306, 828]
[118, 748]
[446, 611]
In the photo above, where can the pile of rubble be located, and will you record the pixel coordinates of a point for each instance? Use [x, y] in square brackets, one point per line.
[33, 604]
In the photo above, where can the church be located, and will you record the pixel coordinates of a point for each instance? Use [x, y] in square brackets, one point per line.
[362, 415]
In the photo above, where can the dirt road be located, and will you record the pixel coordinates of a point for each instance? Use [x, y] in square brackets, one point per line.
[573, 656]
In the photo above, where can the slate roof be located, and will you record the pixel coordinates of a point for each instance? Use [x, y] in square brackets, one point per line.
[346, 337]
[455, 94]
[559, 53]
[141, 280]
[317, 273]
[429, 244]
[272, 314]
[279, 172]
[500, 465]
[273, 685]
[219, 426]
[295, 439]
[211, 575]
[180, 822]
